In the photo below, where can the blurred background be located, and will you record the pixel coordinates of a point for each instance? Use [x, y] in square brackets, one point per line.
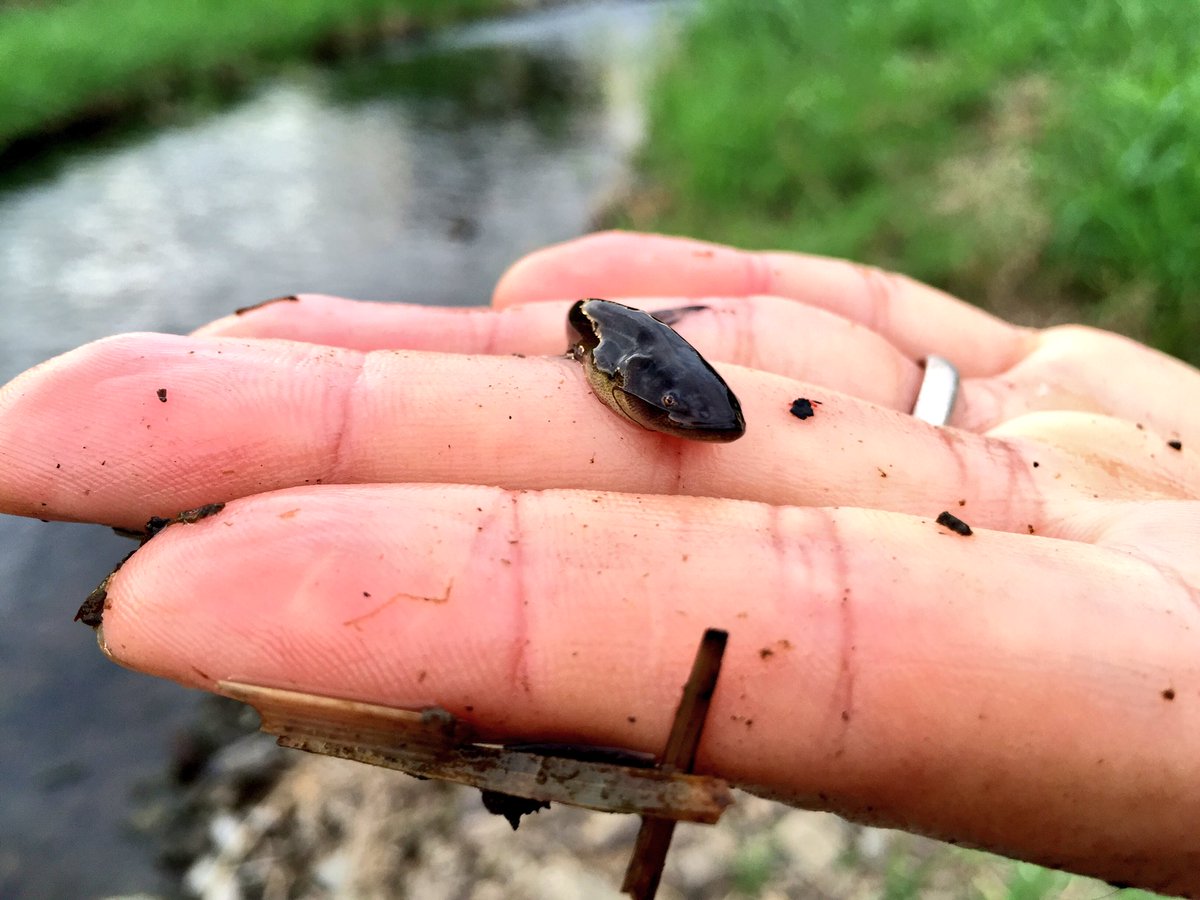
[162, 164]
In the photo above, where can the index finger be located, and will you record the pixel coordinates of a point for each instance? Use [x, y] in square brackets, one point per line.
[918, 319]
[878, 665]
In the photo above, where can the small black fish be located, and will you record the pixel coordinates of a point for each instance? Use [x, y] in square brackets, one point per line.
[643, 370]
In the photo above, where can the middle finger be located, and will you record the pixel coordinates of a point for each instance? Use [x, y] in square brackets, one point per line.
[88, 436]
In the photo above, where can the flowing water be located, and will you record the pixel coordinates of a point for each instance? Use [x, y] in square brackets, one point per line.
[418, 174]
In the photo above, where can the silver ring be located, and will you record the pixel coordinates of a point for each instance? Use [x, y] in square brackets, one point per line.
[939, 390]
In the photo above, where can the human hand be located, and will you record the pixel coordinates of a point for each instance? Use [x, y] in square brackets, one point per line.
[453, 525]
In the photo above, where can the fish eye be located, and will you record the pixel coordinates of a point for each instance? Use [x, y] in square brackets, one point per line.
[669, 399]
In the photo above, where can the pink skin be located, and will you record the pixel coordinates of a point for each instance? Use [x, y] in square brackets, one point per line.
[1034, 694]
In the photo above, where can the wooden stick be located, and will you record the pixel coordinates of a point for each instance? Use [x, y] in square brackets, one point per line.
[434, 744]
[654, 837]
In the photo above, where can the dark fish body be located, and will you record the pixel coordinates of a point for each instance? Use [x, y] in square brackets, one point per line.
[643, 370]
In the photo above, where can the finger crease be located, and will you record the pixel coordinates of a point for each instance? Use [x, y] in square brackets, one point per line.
[760, 276]
[346, 400]
[1166, 572]
[880, 290]
[519, 671]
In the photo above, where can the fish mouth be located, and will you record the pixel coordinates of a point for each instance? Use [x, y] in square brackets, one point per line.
[723, 430]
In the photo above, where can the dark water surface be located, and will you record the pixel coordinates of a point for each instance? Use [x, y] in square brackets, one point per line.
[418, 175]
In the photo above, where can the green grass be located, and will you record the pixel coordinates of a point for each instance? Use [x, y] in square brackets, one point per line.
[913, 870]
[1042, 158]
[63, 61]
[754, 865]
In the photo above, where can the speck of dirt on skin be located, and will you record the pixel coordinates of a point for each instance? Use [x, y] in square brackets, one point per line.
[1175, 445]
[1169, 694]
[962, 502]
[766, 653]
[162, 394]
[948, 520]
[1036, 463]
[1030, 527]
[802, 408]
[632, 720]
[290, 298]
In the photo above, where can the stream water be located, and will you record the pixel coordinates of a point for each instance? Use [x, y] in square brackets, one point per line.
[418, 174]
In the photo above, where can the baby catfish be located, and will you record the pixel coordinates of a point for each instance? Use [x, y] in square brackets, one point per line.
[643, 370]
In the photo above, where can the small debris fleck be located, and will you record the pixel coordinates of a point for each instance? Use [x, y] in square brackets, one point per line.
[954, 523]
[155, 524]
[191, 516]
[512, 808]
[1169, 694]
[802, 408]
[1036, 463]
[162, 394]
[91, 613]
[1175, 445]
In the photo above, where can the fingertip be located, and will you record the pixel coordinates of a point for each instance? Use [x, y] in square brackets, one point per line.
[273, 317]
[533, 276]
[604, 263]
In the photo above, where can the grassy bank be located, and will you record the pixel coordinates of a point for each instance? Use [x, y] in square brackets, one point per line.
[76, 60]
[1042, 158]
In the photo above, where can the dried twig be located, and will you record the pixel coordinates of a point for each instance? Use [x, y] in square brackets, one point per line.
[654, 838]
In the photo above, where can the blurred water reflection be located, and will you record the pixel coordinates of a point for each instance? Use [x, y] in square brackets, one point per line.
[418, 175]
